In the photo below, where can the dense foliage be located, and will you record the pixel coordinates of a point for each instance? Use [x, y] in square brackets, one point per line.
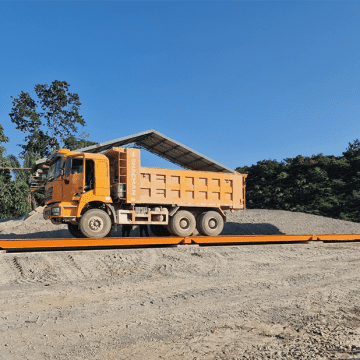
[49, 123]
[13, 192]
[320, 185]
[50, 120]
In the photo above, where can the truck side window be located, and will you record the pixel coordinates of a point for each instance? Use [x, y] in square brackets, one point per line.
[89, 174]
[68, 167]
[77, 166]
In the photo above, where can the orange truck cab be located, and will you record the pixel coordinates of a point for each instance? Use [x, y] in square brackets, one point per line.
[93, 193]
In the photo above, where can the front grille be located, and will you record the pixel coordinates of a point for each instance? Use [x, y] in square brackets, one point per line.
[48, 194]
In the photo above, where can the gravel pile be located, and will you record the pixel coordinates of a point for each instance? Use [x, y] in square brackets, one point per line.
[270, 222]
[249, 222]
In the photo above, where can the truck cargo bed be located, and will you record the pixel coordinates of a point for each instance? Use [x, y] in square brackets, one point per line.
[187, 188]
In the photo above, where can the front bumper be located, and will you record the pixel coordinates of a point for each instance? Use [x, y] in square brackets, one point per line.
[60, 210]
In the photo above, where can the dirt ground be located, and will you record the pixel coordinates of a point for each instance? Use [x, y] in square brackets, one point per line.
[264, 301]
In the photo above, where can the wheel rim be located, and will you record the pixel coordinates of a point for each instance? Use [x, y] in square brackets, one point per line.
[184, 223]
[96, 223]
[213, 224]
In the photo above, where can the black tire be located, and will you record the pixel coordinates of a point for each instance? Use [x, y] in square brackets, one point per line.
[155, 230]
[183, 223]
[169, 231]
[164, 231]
[210, 223]
[75, 231]
[95, 223]
[159, 230]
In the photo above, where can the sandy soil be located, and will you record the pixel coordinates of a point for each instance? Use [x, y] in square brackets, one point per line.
[273, 301]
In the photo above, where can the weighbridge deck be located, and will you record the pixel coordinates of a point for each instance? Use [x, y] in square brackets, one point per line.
[170, 240]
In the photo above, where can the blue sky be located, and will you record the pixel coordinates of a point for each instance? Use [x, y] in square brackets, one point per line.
[239, 82]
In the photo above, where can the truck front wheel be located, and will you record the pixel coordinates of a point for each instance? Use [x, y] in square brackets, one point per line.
[95, 223]
[75, 231]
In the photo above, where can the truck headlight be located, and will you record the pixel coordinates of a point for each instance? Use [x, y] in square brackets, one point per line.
[55, 211]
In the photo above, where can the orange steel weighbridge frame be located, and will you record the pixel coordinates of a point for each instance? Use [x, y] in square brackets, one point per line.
[171, 240]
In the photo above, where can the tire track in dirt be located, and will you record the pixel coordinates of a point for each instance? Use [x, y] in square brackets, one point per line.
[189, 261]
[69, 259]
[127, 263]
[61, 267]
[8, 270]
[149, 260]
[42, 268]
[33, 270]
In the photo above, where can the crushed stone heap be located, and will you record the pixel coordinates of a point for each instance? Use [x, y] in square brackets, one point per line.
[249, 222]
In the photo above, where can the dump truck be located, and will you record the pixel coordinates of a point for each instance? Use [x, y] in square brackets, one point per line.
[94, 193]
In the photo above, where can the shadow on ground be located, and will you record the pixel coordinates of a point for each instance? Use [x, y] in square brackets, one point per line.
[229, 229]
[57, 234]
[250, 229]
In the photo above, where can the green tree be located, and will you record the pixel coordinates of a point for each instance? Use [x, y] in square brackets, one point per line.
[262, 184]
[4, 173]
[320, 185]
[48, 121]
[3, 138]
[351, 209]
[353, 150]
[72, 143]
[13, 192]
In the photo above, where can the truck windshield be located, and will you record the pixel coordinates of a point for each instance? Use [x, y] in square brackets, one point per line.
[55, 169]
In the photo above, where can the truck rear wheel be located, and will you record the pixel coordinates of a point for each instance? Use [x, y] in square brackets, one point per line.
[183, 223]
[75, 231]
[95, 223]
[210, 223]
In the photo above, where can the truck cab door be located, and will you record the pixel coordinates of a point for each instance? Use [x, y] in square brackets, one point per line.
[74, 177]
[102, 178]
